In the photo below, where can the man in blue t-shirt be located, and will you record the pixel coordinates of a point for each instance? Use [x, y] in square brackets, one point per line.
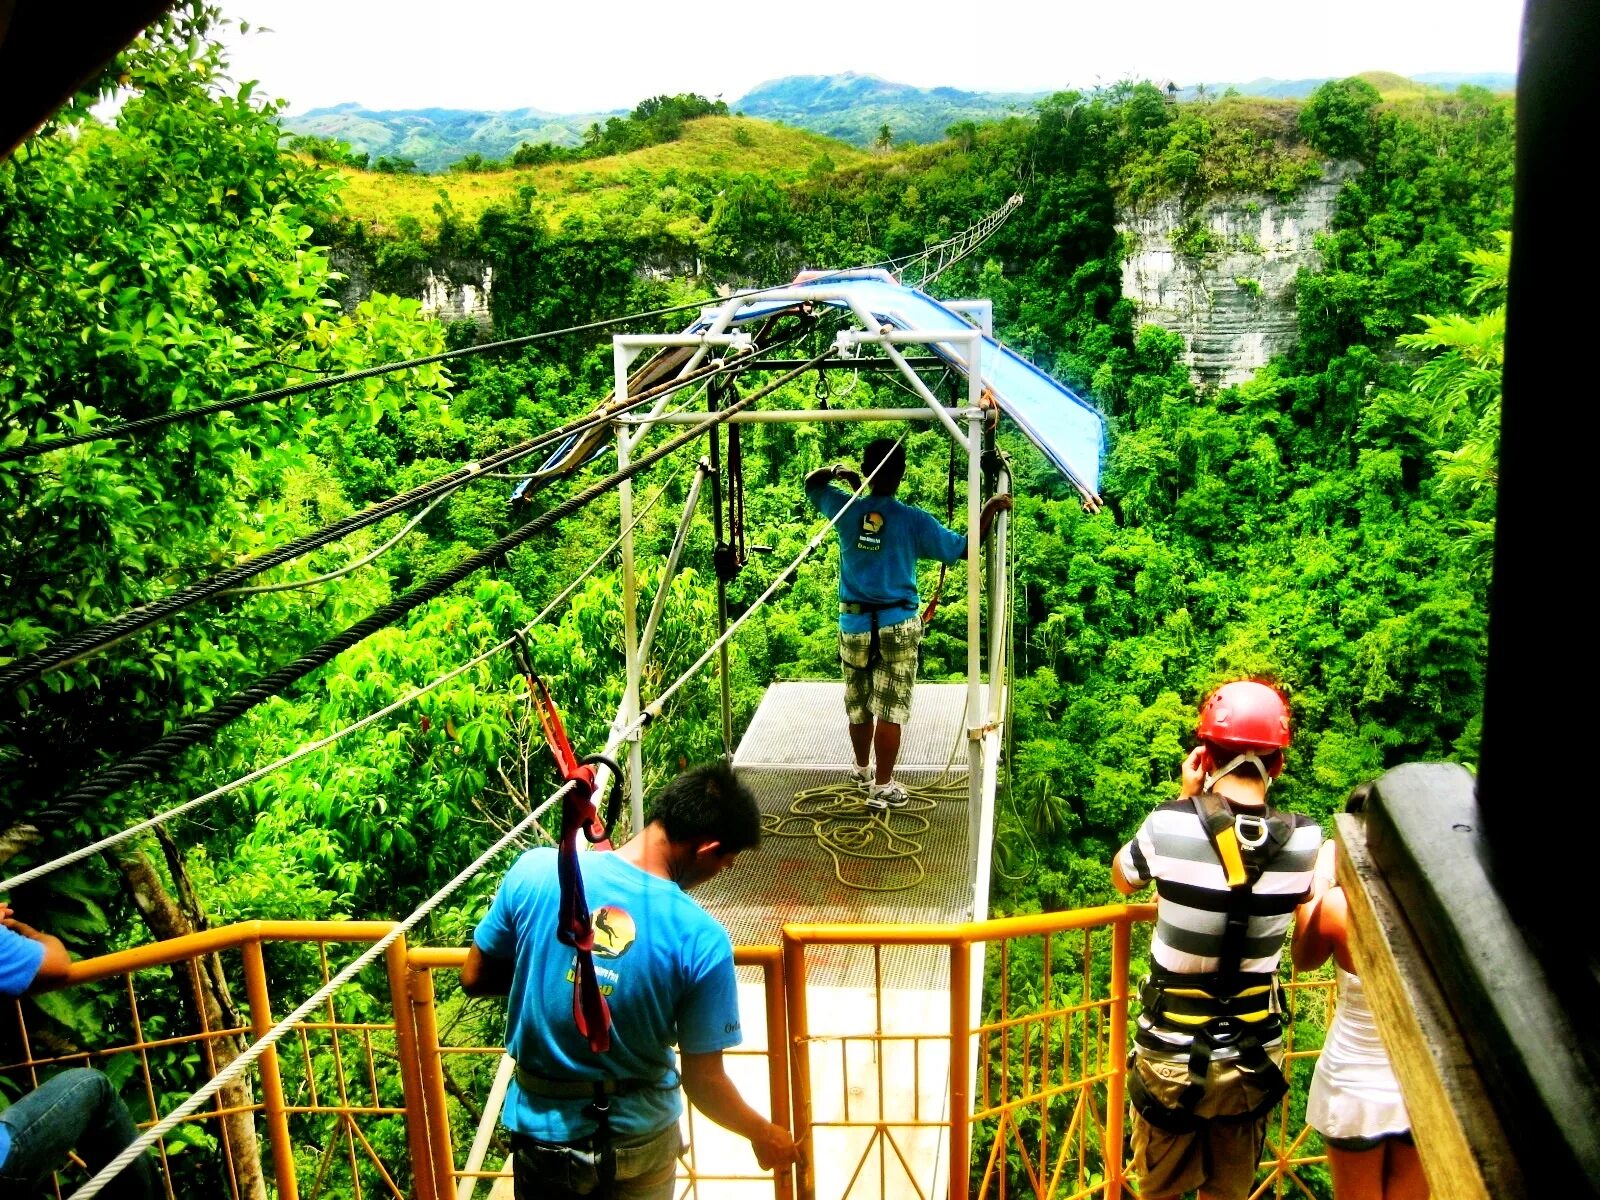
[666, 970]
[880, 631]
[76, 1109]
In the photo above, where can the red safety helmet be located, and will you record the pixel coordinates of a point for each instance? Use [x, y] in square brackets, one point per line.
[1245, 716]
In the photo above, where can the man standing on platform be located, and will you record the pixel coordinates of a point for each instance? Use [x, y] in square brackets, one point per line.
[880, 630]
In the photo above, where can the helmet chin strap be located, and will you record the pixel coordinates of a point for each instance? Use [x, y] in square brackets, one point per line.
[1234, 763]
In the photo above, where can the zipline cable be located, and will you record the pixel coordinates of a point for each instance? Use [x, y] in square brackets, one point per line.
[290, 585]
[322, 743]
[147, 761]
[98, 637]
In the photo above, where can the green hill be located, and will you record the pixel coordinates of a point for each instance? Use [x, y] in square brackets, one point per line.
[711, 145]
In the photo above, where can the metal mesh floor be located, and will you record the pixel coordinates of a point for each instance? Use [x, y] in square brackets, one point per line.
[803, 725]
[793, 880]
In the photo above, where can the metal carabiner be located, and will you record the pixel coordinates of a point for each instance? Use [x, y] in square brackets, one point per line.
[1250, 842]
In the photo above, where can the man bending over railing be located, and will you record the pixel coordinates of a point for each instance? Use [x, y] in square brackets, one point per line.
[595, 1124]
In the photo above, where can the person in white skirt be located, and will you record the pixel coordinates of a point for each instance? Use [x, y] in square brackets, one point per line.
[1355, 1101]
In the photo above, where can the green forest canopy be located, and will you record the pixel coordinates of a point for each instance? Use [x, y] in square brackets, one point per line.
[1327, 524]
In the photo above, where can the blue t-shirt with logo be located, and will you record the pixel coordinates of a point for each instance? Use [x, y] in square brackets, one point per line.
[19, 966]
[880, 541]
[664, 965]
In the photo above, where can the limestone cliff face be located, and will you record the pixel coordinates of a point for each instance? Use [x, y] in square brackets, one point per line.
[1222, 275]
[450, 289]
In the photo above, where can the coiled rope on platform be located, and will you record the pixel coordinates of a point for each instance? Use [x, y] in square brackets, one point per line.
[837, 816]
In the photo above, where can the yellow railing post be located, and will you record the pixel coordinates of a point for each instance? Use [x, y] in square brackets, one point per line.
[430, 1064]
[960, 1068]
[1116, 1092]
[405, 1036]
[272, 1102]
[794, 987]
[777, 1061]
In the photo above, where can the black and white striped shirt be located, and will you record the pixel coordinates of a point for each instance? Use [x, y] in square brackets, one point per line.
[1172, 850]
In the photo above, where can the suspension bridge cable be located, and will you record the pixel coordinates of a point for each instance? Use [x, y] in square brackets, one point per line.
[147, 761]
[237, 1067]
[290, 585]
[160, 420]
[99, 637]
[322, 743]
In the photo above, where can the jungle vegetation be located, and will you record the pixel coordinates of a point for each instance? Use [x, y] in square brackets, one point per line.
[1327, 524]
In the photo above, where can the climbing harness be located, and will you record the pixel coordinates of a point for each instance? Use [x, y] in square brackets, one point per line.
[599, 1093]
[1226, 1008]
[574, 926]
[863, 608]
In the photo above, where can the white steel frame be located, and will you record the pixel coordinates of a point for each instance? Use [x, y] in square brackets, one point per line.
[964, 426]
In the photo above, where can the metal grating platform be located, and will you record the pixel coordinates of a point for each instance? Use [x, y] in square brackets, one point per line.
[803, 725]
[793, 880]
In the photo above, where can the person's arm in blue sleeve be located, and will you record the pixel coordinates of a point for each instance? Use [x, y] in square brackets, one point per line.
[829, 499]
[945, 545]
[708, 1024]
[492, 958]
[30, 961]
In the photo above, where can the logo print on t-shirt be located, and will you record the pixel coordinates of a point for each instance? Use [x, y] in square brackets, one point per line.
[614, 932]
[871, 532]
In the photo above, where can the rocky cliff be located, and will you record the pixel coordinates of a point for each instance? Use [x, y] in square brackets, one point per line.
[1222, 274]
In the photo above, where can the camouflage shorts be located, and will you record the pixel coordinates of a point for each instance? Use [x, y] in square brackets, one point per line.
[882, 690]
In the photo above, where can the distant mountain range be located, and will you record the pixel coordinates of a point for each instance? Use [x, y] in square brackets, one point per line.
[434, 138]
[850, 106]
[853, 108]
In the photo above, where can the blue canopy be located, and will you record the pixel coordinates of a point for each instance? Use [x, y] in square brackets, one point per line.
[1056, 419]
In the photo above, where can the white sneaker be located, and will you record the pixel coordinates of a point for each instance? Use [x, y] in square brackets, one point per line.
[861, 777]
[887, 795]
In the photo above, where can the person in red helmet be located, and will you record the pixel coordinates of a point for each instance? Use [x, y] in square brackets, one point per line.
[1229, 870]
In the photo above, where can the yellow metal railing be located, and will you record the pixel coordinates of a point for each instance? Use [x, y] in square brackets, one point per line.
[977, 1060]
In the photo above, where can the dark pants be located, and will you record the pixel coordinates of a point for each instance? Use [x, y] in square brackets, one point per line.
[645, 1168]
[75, 1110]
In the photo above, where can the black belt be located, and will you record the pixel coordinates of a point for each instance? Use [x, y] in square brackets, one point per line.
[598, 1092]
[859, 608]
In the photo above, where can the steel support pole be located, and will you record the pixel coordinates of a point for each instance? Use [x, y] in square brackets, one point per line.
[975, 713]
[630, 601]
[272, 1101]
[999, 603]
[673, 557]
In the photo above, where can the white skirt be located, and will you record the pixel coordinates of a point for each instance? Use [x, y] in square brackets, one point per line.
[1355, 1099]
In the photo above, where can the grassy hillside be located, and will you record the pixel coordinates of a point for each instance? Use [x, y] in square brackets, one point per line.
[710, 145]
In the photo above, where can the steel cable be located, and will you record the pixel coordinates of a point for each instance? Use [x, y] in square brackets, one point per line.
[99, 637]
[322, 743]
[149, 760]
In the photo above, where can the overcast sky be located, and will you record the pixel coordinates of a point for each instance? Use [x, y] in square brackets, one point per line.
[603, 54]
